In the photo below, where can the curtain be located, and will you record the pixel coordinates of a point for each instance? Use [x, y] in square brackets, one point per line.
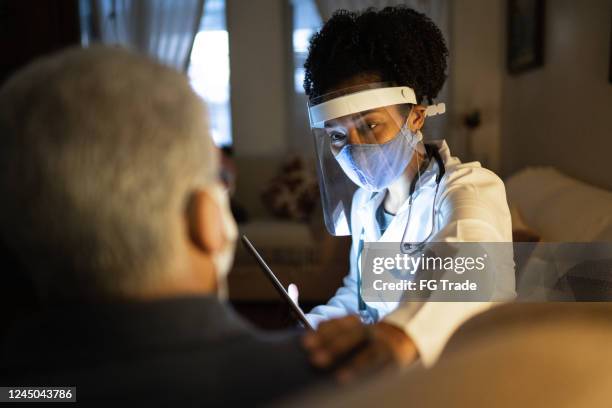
[162, 29]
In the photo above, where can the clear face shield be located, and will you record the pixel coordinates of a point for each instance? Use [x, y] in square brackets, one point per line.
[362, 140]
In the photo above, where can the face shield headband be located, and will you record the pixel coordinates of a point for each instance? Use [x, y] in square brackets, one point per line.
[363, 101]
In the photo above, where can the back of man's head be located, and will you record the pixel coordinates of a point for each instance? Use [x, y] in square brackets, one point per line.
[99, 150]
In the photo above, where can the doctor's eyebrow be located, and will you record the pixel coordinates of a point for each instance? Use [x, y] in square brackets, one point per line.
[359, 115]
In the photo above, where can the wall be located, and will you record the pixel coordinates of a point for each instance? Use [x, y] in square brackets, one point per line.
[561, 114]
[259, 71]
[476, 74]
[31, 28]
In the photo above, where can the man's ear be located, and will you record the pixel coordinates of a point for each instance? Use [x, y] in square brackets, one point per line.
[204, 222]
[416, 117]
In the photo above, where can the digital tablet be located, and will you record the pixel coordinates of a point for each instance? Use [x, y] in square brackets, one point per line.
[276, 283]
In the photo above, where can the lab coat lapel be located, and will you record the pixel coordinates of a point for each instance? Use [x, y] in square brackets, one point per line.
[367, 215]
[396, 228]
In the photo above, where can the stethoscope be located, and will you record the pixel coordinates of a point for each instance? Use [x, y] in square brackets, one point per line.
[411, 248]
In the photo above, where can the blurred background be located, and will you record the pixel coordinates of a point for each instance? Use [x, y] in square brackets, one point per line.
[529, 95]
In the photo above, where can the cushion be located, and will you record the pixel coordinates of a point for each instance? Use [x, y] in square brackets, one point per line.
[559, 207]
[521, 232]
[293, 193]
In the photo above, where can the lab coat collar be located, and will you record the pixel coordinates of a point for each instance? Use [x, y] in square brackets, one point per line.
[367, 209]
[427, 180]
[365, 212]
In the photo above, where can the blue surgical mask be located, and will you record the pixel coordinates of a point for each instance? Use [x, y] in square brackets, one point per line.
[376, 166]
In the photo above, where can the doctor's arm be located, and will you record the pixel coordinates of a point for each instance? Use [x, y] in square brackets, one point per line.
[473, 208]
[343, 303]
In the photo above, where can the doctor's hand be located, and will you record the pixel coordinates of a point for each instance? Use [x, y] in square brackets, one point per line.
[351, 348]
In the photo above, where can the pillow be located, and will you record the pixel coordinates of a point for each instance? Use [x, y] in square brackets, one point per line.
[561, 208]
[521, 232]
[293, 192]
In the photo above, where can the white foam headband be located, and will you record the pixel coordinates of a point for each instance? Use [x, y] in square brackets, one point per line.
[366, 100]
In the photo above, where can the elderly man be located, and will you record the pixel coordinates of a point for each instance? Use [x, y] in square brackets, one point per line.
[110, 201]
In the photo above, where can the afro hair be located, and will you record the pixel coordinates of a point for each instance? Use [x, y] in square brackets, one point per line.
[398, 44]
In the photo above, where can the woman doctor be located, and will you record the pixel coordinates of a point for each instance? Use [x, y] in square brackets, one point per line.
[371, 78]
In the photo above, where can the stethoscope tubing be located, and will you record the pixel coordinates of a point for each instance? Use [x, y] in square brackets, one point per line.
[412, 248]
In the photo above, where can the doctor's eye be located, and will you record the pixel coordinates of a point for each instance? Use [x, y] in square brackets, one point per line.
[337, 138]
[372, 125]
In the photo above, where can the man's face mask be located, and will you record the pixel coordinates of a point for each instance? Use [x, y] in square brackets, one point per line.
[223, 260]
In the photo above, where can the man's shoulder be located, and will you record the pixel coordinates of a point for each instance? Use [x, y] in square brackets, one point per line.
[263, 366]
[196, 348]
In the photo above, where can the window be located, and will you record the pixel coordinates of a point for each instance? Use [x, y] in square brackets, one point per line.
[209, 70]
[306, 21]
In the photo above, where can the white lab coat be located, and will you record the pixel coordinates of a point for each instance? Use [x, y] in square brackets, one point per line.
[471, 207]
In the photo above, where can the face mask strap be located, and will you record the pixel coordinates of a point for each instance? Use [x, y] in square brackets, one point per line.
[417, 180]
[418, 150]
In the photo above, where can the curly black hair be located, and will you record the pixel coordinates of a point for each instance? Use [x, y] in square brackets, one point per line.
[398, 44]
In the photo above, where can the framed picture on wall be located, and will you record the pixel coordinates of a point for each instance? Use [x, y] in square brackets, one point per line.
[525, 37]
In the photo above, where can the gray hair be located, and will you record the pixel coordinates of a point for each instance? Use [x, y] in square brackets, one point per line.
[99, 149]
